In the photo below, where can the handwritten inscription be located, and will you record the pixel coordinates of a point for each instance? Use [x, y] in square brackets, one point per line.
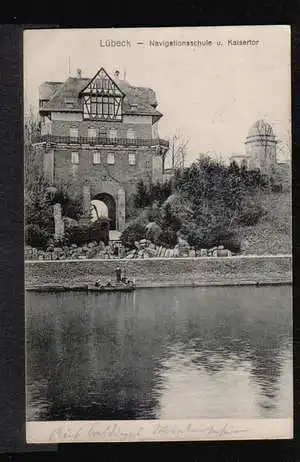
[100, 431]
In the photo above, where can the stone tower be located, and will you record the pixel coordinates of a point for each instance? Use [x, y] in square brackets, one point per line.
[261, 147]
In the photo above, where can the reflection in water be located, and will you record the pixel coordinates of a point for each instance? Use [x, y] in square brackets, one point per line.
[160, 353]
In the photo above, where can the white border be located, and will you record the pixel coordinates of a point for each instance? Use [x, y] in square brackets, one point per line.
[157, 430]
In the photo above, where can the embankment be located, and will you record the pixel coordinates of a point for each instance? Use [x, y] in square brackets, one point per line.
[267, 269]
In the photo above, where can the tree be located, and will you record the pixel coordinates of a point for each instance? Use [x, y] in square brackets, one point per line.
[219, 198]
[32, 158]
[178, 150]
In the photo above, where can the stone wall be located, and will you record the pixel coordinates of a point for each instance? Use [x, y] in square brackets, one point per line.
[164, 272]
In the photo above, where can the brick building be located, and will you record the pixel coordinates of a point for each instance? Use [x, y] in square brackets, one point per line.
[99, 136]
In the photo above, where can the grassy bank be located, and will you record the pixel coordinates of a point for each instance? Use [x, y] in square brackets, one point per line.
[273, 235]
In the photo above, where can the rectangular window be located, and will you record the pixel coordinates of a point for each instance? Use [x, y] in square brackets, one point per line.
[74, 158]
[111, 107]
[110, 158]
[73, 132]
[130, 134]
[96, 158]
[112, 133]
[92, 133]
[105, 106]
[131, 159]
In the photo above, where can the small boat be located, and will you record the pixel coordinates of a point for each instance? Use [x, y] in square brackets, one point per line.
[113, 287]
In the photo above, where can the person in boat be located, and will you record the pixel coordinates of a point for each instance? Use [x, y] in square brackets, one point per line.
[124, 279]
[118, 274]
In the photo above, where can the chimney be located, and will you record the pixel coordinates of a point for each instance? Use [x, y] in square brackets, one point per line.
[79, 73]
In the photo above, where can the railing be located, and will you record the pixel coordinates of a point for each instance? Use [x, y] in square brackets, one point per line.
[102, 141]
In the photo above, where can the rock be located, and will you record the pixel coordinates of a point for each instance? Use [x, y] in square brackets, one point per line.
[69, 222]
[176, 252]
[151, 252]
[163, 252]
[183, 243]
[57, 249]
[222, 253]
[192, 253]
[74, 246]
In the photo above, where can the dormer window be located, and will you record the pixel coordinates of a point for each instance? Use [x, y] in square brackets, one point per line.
[102, 98]
[133, 107]
[69, 102]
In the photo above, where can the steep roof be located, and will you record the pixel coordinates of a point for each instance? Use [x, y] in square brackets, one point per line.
[47, 89]
[66, 97]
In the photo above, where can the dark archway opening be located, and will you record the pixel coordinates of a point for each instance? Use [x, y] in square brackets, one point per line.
[110, 203]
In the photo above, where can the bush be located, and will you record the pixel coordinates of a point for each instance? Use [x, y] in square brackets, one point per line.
[205, 238]
[99, 230]
[83, 234]
[250, 213]
[71, 206]
[148, 193]
[36, 236]
[134, 231]
[168, 238]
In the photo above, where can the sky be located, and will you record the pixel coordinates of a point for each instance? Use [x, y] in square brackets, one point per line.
[211, 94]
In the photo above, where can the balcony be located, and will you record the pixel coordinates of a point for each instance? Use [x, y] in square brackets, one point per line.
[102, 141]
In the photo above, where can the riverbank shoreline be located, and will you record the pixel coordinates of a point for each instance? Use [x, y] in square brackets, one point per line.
[161, 272]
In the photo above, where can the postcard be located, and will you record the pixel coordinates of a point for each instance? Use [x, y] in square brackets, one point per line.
[158, 234]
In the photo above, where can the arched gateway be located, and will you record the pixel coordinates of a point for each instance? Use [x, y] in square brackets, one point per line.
[110, 204]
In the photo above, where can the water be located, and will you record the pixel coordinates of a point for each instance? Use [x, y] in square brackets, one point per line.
[175, 353]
